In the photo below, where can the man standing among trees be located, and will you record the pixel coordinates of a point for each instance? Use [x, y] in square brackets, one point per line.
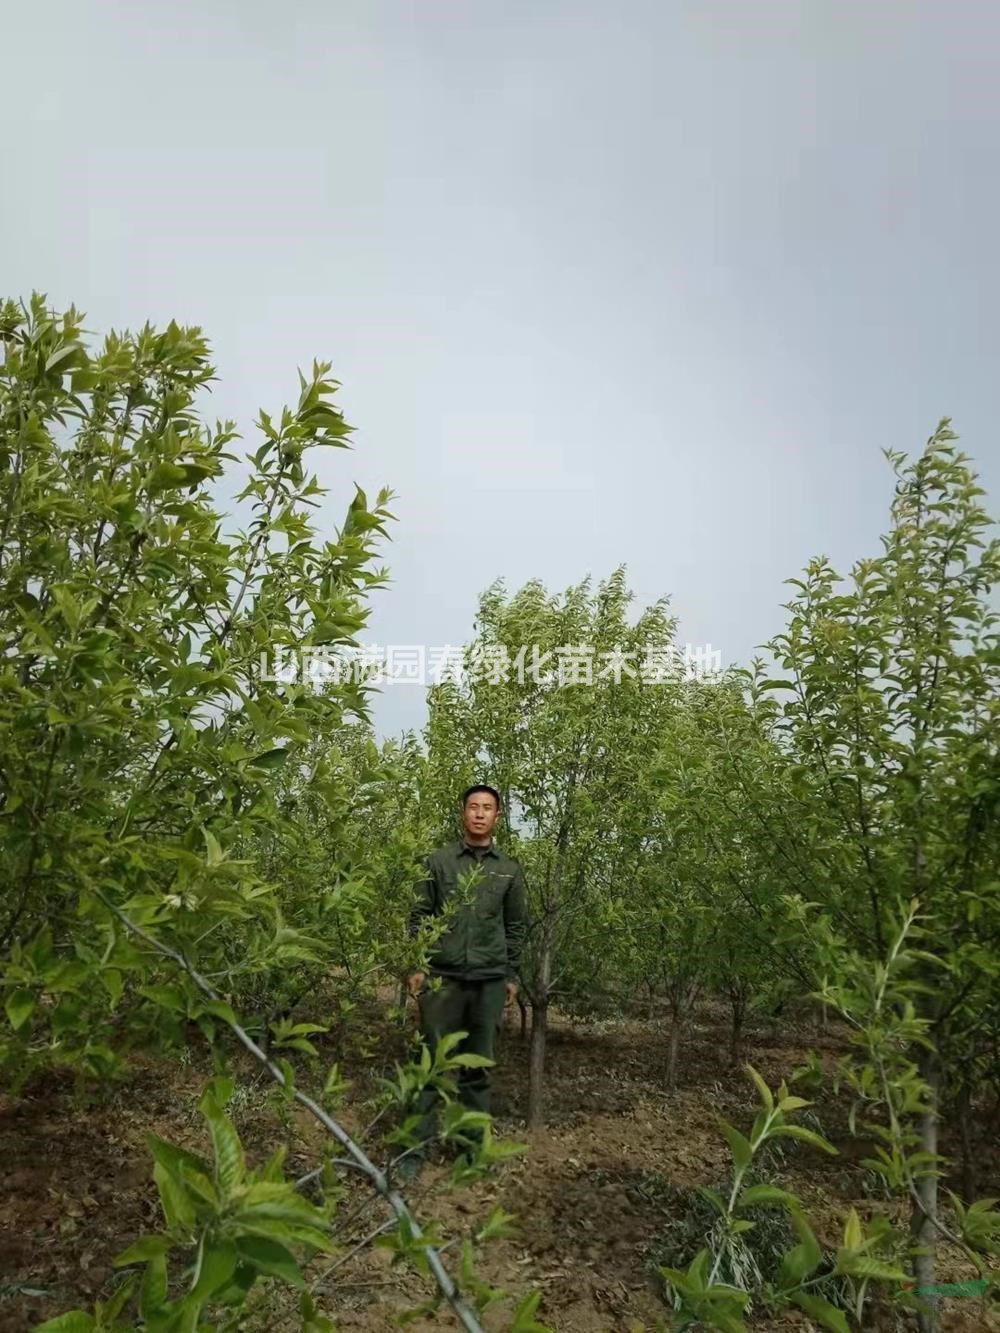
[476, 960]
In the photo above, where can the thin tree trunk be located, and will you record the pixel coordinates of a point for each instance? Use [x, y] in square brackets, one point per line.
[539, 1034]
[673, 1047]
[523, 1008]
[925, 1232]
[738, 1004]
[536, 1065]
[970, 1175]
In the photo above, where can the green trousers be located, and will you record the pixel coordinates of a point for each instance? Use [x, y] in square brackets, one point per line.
[473, 1007]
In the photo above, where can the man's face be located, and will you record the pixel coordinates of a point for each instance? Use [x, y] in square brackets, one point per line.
[480, 814]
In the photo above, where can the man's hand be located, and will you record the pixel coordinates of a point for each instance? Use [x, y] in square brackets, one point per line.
[511, 994]
[415, 983]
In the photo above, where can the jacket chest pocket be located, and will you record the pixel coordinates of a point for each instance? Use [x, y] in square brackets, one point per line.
[480, 888]
[464, 885]
[492, 889]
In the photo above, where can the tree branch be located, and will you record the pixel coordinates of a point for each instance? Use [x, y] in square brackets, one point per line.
[466, 1317]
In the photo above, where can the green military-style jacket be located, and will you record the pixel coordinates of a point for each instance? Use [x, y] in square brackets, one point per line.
[484, 940]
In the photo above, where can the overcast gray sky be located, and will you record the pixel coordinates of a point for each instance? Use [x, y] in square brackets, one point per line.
[649, 283]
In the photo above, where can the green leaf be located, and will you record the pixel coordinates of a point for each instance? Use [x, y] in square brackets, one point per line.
[269, 759]
[214, 854]
[219, 1009]
[195, 472]
[822, 1311]
[267, 1256]
[726, 1321]
[76, 1321]
[236, 1292]
[697, 1272]
[754, 1196]
[178, 1208]
[111, 980]
[186, 1318]
[109, 1310]
[19, 1006]
[169, 997]
[853, 1235]
[864, 1265]
[230, 1164]
[218, 1263]
[60, 355]
[499, 1224]
[202, 1186]
[153, 1291]
[677, 1279]
[738, 1145]
[806, 1135]
[793, 1103]
[175, 1159]
[714, 1198]
[165, 477]
[765, 1092]
[524, 1315]
[221, 1087]
[147, 1247]
[298, 1044]
[802, 1261]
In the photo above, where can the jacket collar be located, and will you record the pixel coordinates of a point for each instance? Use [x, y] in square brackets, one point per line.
[464, 849]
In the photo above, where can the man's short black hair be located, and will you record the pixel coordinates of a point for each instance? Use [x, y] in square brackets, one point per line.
[480, 786]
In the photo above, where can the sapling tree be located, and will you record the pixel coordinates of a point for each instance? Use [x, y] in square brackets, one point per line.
[691, 928]
[346, 853]
[880, 1003]
[559, 706]
[866, 1254]
[138, 742]
[886, 756]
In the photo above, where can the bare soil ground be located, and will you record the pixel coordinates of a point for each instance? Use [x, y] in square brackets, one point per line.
[592, 1195]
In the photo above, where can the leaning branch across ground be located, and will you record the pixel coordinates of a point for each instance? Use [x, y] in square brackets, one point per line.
[356, 1154]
